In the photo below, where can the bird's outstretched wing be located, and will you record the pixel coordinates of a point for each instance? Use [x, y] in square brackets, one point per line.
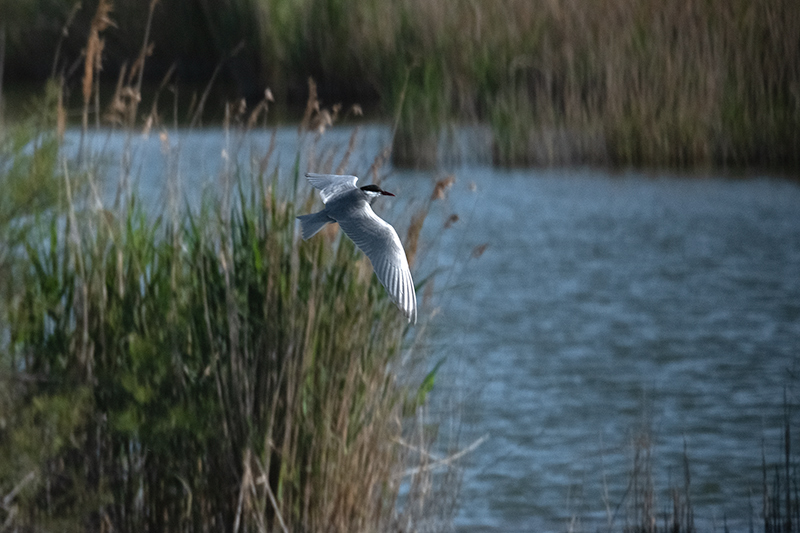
[330, 185]
[379, 241]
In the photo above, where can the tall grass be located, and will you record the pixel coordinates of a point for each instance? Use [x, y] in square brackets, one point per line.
[605, 81]
[195, 369]
[203, 369]
[629, 82]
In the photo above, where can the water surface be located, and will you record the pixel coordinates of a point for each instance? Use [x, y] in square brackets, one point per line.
[608, 309]
[612, 307]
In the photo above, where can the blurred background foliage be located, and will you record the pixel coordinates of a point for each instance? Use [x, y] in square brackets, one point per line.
[558, 81]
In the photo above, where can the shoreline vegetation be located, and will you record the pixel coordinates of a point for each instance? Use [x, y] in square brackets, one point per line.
[606, 82]
[199, 368]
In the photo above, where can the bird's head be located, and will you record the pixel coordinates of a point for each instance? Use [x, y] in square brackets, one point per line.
[373, 191]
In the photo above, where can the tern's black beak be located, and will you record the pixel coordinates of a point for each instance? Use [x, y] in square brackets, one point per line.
[375, 189]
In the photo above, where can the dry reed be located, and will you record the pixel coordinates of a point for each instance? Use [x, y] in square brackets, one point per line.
[605, 81]
[628, 82]
[94, 56]
[210, 373]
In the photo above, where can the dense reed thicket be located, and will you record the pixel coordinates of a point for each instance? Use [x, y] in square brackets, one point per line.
[198, 369]
[602, 81]
[621, 81]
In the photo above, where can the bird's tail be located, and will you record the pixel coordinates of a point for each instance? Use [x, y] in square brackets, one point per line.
[312, 223]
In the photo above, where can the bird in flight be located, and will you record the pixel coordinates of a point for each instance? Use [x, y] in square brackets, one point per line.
[350, 206]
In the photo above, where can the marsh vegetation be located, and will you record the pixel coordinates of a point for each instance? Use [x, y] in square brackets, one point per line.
[618, 82]
[201, 368]
[197, 367]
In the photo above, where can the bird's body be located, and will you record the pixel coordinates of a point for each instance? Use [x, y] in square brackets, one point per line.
[350, 206]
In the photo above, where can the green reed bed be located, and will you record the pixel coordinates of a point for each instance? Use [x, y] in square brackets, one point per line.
[203, 370]
[606, 81]
[628, 82]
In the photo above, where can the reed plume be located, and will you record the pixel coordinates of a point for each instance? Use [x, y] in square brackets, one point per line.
[93, 61]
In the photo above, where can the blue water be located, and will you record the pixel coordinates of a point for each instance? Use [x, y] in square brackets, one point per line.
[608, 309]
[611, 306]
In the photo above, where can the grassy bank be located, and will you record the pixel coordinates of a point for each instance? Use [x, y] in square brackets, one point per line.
[627, 82]
[613, 81]
[197, 369]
